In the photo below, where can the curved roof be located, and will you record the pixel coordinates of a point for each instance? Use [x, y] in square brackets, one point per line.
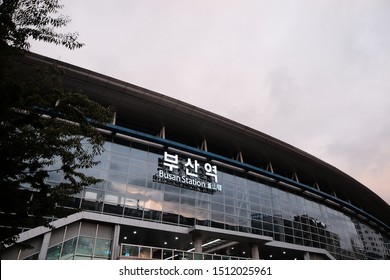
[147, 111]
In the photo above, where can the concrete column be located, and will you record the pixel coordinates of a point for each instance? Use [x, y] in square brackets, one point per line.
[45, 245]
[255, 251]
[197, 240]
[115, 243]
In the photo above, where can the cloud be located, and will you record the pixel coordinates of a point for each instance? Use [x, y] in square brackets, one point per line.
[311, 73]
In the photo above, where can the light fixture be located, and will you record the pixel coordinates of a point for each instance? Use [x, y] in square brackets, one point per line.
[176, 238]
[135, 232]
[165, 243]
[270, 256]
[284, 252]
[203, 245]
[211, 242]
[125, 237]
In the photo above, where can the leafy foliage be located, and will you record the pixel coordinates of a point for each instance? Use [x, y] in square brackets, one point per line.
[44, 129]
[36, 19]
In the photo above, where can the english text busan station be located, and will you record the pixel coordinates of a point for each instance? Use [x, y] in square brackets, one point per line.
[184, 183]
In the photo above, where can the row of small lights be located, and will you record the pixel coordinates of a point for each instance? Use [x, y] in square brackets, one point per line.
[134, 232]
[176, 238]
[209, 243]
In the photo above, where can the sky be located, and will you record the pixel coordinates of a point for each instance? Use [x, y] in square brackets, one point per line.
[314, 74]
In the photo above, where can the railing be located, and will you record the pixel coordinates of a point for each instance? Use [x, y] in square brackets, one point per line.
[129, 251]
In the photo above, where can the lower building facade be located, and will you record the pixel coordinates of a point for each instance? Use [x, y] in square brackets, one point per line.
[133, 215]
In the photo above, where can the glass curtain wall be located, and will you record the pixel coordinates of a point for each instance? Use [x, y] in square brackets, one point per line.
[245, 204]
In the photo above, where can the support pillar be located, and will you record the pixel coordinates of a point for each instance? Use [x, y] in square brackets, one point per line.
[255, 251]
[115, 243]
[197, 240]
[45, 245]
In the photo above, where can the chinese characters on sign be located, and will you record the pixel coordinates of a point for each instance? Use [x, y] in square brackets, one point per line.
[187, 173]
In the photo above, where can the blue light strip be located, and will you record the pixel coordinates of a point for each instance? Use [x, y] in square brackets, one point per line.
[246, 167]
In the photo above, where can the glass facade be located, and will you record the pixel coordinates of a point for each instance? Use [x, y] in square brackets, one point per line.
[245, 204]
[81, 248]
[81, 241]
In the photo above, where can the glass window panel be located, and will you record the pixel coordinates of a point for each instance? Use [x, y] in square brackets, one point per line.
[53, 253]
[229, 193]
[188, 201]
[103, 248]
[92, 194]
[230, 210]
[120, 159]
[137, 181]
[188, 256]
[116, 182]
[171, 207]
[103, 160]
[154, 154]
[255, 207]
[111, 198]
[153, 185]
[145, 253]
[99, 185]
[154, 195]
[169, 188]
[119, 167]
[151, 170]
[230, 201]
[138, 171]
[242, 204]
[170, 218]
[202, 204]
[85, 245]
[202, 214]
[130, 251]
[113, 209]
[91, 205]
[188, 221]
[231, 220]
[187, 211]
[107, 145]
[167, 254]
[152, 215]
[171, 198]
[154, 204]
[241, 194]
[217, 217]
[134, 202]
[131, 212]
[217, 198]
[120, 149]
[243, 213]
[177, 255]
[227, 177]
[266, 210]
[68, 249]
[136, 153]
[217, 207]
[157, 254]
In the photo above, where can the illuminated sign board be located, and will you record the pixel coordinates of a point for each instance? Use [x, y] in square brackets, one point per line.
[188, 173]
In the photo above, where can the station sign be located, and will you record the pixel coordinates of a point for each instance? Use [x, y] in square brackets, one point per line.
[188, 173]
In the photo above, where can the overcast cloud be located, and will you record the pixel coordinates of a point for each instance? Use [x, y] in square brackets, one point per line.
[315, 74]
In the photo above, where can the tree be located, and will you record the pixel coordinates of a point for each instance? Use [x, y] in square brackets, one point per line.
[44, 129]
